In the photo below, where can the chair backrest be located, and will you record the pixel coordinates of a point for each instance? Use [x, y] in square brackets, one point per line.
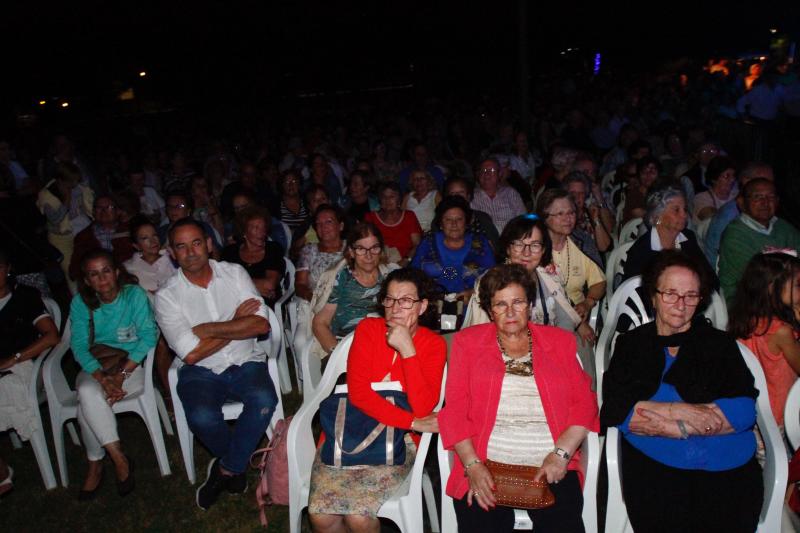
[776, 466]
[272, 345]
[54, 310]
[288, 278]
[288, 233]
[615, 265]
[700, 231]
[54, 381]
[630, 231]
[791, 416]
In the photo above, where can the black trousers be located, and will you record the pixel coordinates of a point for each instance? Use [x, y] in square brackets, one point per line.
[660, 498]
[563, 517]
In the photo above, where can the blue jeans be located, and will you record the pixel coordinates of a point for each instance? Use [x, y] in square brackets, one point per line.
[203, 394]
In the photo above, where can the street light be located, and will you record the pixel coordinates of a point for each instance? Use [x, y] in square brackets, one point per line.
[65, 104]
[142, 74]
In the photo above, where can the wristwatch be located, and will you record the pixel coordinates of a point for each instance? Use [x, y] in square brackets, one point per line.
[561, 452]
[17, 356]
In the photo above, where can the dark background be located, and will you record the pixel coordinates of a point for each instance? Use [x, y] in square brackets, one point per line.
[265, 53]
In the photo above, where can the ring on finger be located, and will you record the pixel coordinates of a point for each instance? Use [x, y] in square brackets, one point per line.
[708, 429]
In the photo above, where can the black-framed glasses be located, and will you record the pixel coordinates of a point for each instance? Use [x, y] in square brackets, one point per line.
[501, 308]
[671, 297]
[535, 247]
[360, 250]
[406, 302]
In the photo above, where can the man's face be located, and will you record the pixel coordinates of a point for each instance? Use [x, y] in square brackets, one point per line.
[190, 248]
[177, 208]
[707, 153]
[761, 203]
[489, 176]
[105, 212]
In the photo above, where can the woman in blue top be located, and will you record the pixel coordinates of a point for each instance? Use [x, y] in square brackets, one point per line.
[120, 312]
[452, 256]
[683, 399]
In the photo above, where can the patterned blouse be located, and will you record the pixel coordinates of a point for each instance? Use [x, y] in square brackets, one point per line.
[454, 270]
[316, 262]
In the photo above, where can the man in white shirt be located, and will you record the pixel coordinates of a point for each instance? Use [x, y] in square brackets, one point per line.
[210, 314]
[501, 202]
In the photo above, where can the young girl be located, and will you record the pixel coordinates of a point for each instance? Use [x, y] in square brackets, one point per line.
[766, 318]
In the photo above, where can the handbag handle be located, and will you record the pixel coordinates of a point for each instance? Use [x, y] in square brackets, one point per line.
[369, 439]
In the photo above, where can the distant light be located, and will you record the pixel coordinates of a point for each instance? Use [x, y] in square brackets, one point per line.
[563, 53]
[773, 30]
[569, 49]
[142, 74]
[597, 58]
[64, 104]
[42, 102]
[763, 58]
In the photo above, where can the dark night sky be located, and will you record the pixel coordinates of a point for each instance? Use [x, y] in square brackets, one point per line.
[215, 49]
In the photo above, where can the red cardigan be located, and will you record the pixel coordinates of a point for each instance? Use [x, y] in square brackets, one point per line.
[475, 380]
[420, 375]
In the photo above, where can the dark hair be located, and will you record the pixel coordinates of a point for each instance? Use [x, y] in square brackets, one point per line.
[87, 293]
[427, 289]
[457, 179]
[717, 166]
[748, 187]
[335, 209]
[185, 196]
[366, 179]
[360, 231]
[501, 276]
[285, 174]
[249, 213]
[519, 228]
[313, 188]
[67, 170]
[390, 185]
[758, 295]
[186, 221]
[648, 160]
[451, 202]
[675, 258]
[138, 222]
[637, 145]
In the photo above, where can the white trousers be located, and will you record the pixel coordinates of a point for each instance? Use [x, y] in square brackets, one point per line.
[96, 418]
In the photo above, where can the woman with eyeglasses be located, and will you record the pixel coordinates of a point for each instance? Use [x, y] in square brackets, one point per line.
[452, 256]
[516, 395]
[397, 345]
[683, 400]
[346, 293]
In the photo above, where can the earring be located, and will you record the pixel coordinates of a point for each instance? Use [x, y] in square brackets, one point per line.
[658, 222]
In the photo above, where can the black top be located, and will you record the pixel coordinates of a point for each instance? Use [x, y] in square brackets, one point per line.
[357, 212]
[273, 260]
[17, 317]
[708, 367]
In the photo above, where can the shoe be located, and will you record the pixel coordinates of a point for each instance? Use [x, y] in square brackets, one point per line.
[236, 484]
[213, 486]
[126, 486]
[89, 495]
[8, 483]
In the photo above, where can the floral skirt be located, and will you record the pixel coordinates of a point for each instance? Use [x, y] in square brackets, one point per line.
[356, 490]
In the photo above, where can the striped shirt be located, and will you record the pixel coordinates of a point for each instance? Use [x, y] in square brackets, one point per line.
[292, 219]
[505, 205]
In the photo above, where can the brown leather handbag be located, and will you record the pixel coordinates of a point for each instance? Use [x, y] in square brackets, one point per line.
[516, 486]
[108, 356]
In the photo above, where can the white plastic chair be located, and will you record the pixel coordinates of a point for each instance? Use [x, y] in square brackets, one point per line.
[590, 464]
[282, 313]
[630, 231]
[614, 266]
[288, 232]
[405, 506]
[63, 404]
[36, 397]
[231, 410]
[775, 468]
[791, 416]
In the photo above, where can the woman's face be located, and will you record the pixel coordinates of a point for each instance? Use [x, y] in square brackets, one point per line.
[577, 190]
[724, 184]
[327, 227]
[147, 240]
[101, 276]
[675, 216]
[561, 217]
[357, 188]
[256, 231]
[454, 224]
[398, 291]
[367, 253]
[240, 202]
[390, 200]
[648, 175]
[291, 185]
[419, 182]
[790, 294]
[510, 309]
[318, 198]
[675, 317]
[527, 251]
[319, 167]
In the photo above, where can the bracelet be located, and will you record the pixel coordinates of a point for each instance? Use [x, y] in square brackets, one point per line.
[682, 427]
[469, 464]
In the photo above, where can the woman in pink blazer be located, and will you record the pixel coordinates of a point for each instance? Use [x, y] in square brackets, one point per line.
[515, 394]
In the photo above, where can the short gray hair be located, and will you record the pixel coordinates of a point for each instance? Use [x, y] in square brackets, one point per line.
[657, 202]
[576, 176]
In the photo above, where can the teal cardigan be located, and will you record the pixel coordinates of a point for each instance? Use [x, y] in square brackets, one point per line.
[126, 323]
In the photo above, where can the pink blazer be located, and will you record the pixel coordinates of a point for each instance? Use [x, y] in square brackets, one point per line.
[475, 379]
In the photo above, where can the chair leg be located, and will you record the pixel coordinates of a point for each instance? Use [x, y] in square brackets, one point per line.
[153, 424]
[185, 438]
[73, 434]
[58, 444]
[16, 443]
[39, 445]
[430, 501]
[162, 412]
[284, 377]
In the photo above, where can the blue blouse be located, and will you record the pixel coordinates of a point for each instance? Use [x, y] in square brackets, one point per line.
[454, 270]
[714, 453]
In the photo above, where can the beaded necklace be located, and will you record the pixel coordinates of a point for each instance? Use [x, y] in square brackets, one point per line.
[518, 367]
[565, 282]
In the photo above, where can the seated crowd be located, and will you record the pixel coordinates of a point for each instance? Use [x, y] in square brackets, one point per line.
[508, 253]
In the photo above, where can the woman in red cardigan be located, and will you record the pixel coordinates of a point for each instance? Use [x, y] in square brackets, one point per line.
[515, 394]
[348, 498]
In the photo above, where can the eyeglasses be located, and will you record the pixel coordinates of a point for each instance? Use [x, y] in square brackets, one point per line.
[534, 247]
[176, 206]
[671, 297]
[763, 197]
[488, 171]
[105, 207]
[562, 214]
[360, 250]
[500, 308]
[406, 302]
